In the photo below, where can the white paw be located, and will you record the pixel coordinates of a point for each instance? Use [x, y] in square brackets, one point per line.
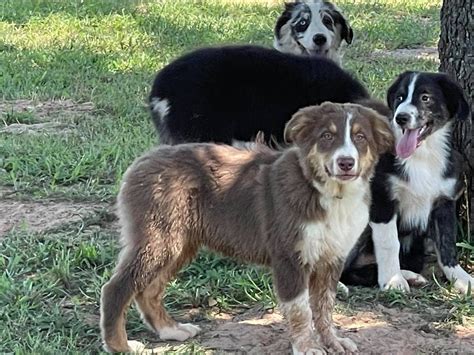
[465, 285]
[396, 282]
[461, 278]
[348, 344]
[343, 288]
[136, 347]
[310, 351]
[413, 278]
[179, 332]
[190, 328]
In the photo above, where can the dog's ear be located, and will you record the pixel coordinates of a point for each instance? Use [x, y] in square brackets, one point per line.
[392, 90]
[298, 127]
[346, 30]
[383, 133]
[284, 18]
[455, 100]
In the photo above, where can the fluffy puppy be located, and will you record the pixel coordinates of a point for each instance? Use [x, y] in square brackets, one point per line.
[298, 211]
[230, 93]
[312, 27]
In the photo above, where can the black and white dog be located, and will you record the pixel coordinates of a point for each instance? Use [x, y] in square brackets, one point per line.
[414, 193]
[228, 94]
[312, 27]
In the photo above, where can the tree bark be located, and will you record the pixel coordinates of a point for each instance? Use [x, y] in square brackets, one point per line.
[456, 53]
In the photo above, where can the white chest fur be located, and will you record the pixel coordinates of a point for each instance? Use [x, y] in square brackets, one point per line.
[335, 236]
[425, 182]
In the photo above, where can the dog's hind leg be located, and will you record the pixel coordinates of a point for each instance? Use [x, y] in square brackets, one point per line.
[150, 305]
[322, 286]
[116, 297]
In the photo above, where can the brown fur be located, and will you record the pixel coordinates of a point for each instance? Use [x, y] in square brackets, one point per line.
[249, 204]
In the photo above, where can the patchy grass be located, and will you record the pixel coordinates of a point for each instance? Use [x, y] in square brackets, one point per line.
[106, 53]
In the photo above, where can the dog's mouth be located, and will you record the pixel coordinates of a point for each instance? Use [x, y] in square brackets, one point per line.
[342, 177]
[412, 139]
[318, 51]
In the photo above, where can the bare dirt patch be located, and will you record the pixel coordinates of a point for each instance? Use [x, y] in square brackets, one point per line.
[377, 330]
[51, 116]
[430, 53]
[42, 216]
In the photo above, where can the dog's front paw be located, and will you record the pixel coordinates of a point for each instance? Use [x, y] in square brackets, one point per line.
[179, 332]
[395, 282]
[348, 345]
[414, 279]
[343, 289]
[340, 345]
[463, 282]
[465, 286]
[137, 348]
[311, 350]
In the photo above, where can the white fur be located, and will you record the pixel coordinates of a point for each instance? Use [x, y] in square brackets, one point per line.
[288, 44]
[387, 248]
[180, 332]
[243, 144]
[348, 150]
[316, 26]
[160, 106]
[346, 219]
[426, 182]
[460, 278]
[407, 107]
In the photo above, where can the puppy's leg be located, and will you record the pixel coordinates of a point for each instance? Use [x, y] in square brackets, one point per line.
[149, 303]
[115, 299]
[291, 286]
[443, 230]
[322, 286]
[387, 250]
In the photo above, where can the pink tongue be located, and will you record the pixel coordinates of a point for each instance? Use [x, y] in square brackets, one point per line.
[407, 144]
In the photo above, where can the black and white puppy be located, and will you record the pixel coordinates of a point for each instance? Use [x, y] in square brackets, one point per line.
[228, 94]
[414, 193]
[312, 27]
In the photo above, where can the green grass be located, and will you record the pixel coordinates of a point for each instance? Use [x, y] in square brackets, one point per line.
[107, 52]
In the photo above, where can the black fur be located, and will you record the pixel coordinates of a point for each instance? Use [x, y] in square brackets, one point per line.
[225, 93]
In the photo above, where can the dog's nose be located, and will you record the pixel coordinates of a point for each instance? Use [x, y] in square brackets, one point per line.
[319, 39]
[345, 163]
[402, 118]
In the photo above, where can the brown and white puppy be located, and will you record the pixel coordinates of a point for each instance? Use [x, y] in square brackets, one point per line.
[312, 27]
[298, 211]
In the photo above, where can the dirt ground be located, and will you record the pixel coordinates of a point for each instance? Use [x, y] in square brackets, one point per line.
[41, 216]
[376, 331]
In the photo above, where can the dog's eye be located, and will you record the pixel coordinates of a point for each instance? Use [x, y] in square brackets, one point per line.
[399, 98]
[328, 136]
[327, 21]
[301, 25]
[359, 137]
[425, 98]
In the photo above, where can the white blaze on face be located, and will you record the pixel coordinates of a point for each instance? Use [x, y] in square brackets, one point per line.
[407, 107]
[315, 27]
[348, 150]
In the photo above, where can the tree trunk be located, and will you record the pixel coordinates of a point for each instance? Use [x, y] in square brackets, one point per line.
[456, 53]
